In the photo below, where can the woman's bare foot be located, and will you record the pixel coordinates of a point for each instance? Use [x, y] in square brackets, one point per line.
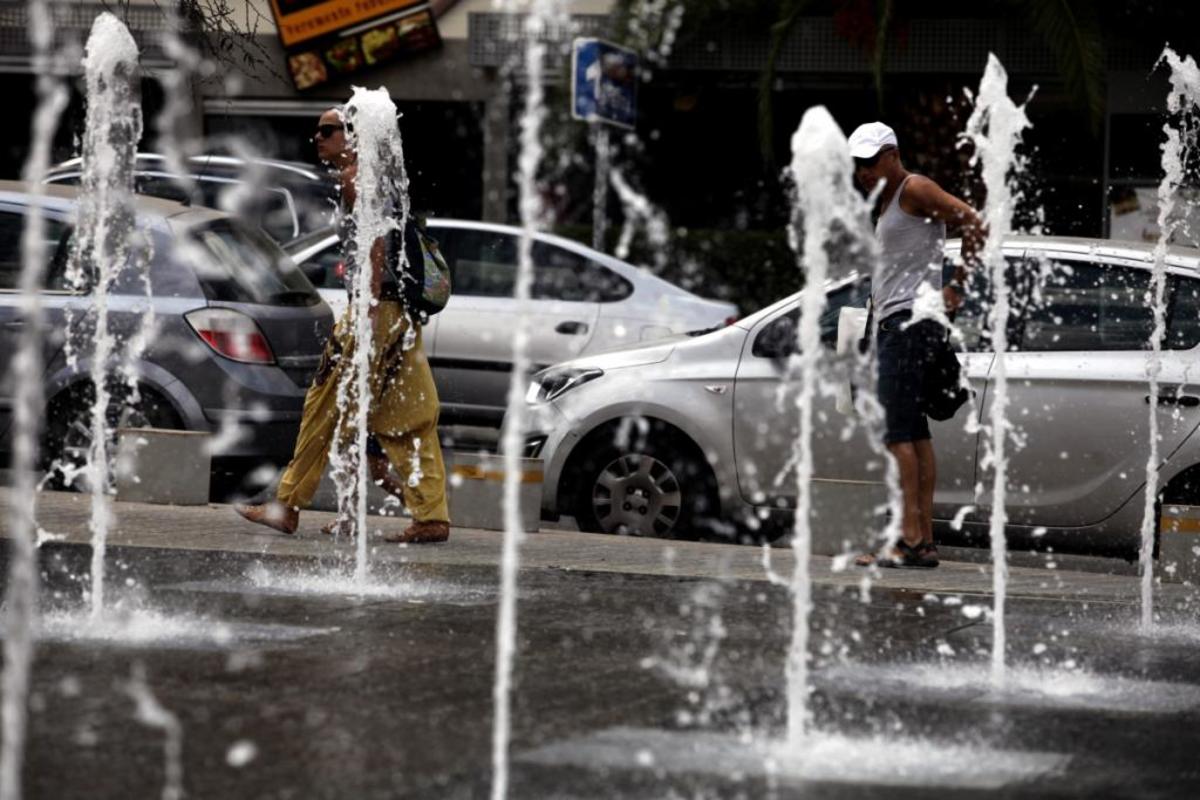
[339, 527]
[273, 514]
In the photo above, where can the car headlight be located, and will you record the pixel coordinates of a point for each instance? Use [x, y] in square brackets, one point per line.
[554, 383]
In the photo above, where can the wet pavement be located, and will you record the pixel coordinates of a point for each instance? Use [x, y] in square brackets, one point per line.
[646, 669]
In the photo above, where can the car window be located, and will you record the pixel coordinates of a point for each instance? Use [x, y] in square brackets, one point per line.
[1183, 317]
[166, 188]
[779, 338]
[12, 226]
[276, 214]
[268, 208]
[239, 264]
[560, 274]
[482, 263]
[326, 268]
[314, 204]
[1086, 306]
[1024, 275]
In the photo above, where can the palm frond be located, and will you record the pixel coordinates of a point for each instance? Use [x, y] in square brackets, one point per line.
[789, 15]
[882, 26]
[1071, 31]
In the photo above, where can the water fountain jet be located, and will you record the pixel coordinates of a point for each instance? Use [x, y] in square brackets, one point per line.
[106, 219]
[826, 207]
[1184, 101]
[21, 592]
[540, 14]
[381, 205]
[995, 129]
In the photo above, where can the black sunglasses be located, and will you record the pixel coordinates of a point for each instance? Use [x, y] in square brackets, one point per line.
[327, 130]
[873, 160]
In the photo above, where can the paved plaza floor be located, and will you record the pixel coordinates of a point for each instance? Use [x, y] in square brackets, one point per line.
[645, 669]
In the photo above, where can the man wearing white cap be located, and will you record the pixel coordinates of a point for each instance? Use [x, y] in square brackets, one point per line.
[912, 233]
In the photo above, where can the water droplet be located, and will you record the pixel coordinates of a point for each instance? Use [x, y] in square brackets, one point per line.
[241, 753]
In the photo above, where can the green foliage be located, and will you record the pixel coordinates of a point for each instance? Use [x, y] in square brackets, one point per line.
[1071, 31]
[883, 24]
[780, 31]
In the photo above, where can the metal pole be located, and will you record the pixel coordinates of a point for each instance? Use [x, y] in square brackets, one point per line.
[600, 192]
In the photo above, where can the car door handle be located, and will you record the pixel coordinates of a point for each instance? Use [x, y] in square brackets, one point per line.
[571, 328]
[1185, 400]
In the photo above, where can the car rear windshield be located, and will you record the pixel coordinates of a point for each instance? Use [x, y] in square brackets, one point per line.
[238, 264]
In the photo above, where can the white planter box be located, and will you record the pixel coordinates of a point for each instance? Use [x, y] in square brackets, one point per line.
[154, 465]
[1179, 547]
[477, 491]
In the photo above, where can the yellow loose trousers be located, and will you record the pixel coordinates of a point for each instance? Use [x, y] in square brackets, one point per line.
[403, 416]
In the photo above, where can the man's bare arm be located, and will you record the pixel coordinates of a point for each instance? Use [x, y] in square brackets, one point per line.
[928, 199]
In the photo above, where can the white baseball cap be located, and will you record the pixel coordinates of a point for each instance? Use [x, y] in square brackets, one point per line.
[869, 138]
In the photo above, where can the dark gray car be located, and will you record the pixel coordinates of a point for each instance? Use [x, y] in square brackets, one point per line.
[237, 333]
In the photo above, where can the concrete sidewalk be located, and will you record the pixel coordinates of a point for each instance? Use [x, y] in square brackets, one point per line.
[64, 516]
[644, 669]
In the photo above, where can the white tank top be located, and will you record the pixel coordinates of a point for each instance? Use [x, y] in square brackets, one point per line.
[911, 248]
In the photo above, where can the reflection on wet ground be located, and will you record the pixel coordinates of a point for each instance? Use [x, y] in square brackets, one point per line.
[291, 681]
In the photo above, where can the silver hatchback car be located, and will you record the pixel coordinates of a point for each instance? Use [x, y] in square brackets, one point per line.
[582, 302]
[689, 435]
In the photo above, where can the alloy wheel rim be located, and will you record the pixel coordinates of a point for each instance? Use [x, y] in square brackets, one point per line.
[637, 494]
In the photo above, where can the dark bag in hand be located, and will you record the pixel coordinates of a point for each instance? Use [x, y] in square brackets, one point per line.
[943, 392]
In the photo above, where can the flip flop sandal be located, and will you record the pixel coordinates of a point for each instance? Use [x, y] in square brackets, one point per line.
[928, 551]
[909, 557]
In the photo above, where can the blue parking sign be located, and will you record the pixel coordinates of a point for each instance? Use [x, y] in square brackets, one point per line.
[604, 80]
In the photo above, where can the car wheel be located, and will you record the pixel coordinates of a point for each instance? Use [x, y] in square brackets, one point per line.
[657, 487]
[68, 436]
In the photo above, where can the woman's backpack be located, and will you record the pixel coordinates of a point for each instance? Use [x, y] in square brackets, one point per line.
[426, 285]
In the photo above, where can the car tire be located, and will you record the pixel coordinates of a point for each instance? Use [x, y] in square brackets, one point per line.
[657, 486]
[67, 436]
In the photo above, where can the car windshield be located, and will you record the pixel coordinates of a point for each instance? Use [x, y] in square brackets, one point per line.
[238, 264]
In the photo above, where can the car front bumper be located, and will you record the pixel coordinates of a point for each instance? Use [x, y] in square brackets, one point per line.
[550, 436]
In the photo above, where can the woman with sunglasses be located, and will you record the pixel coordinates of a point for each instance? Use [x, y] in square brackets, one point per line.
[404, 404]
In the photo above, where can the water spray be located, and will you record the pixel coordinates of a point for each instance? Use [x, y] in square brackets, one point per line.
[995, 129]
[826, 206]
[537, 21]
[1183, 101]
[21, 593]
[106, 220]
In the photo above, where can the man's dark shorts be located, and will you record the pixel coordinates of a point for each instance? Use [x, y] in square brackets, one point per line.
[905, 355]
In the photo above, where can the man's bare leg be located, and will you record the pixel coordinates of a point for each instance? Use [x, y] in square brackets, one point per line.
[927, 472]
[909, 465]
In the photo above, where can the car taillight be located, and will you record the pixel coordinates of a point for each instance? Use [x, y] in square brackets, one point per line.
[730, 320]
[231, 334]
